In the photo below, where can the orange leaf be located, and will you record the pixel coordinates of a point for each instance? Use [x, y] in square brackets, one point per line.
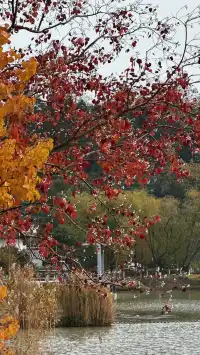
[3, 292]
[4, 36]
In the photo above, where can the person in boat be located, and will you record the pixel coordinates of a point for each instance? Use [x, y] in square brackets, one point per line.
[184, 288]
[166, 309]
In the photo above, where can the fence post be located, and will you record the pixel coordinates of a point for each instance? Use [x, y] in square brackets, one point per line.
[99, 261]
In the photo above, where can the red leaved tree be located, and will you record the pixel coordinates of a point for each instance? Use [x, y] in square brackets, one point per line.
[135, 123]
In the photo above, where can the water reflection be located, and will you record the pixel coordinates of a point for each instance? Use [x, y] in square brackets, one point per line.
[139, 330]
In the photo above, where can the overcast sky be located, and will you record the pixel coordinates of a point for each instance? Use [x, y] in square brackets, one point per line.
[167, 8]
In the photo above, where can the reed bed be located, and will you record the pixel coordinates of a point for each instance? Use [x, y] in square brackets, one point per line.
[33, 304]
[27, 342]
[43, 306]
[85, 305]
[40, 307]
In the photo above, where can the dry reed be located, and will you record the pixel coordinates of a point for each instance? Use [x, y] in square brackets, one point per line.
[39, 308]
[32, 303]
[81, 305]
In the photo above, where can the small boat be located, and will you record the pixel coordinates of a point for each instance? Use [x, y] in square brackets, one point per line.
[167, 309]
[184, 288]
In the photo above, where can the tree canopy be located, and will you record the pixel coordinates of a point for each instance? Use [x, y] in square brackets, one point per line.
[135, 126]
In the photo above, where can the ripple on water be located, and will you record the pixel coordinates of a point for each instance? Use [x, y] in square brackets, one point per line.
[181, 338]
[133, 335]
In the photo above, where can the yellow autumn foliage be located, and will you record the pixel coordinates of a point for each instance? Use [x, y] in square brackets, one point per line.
[9, 326]
[3, 292]
[29, 69]
[16, 105]
[8, 329]
[18, 163]
[18, 171]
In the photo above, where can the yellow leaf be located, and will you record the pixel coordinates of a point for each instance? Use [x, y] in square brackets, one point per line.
[3, 292]
[30, 68]
[5, 91]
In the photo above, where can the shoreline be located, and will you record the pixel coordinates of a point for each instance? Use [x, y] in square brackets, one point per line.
[174, 283]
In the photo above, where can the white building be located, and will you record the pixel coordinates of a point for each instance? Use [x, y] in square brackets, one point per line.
[19, 244]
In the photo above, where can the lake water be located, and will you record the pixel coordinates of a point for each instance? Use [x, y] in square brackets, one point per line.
[139, 329]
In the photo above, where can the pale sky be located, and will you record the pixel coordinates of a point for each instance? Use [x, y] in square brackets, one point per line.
[167, 8]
